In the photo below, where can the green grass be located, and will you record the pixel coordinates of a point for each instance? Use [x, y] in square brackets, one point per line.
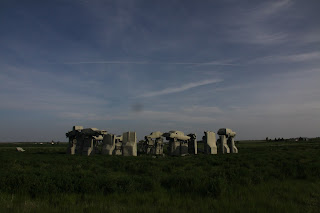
[263, 177]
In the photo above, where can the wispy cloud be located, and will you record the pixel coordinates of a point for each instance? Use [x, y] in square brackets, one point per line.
[167, 116]
[181, 88]
[28, 89]
[301, 57]
[310, 36]
[202, 109]
[176, 117]
[152, 62]
[273, 7]
[255, 26]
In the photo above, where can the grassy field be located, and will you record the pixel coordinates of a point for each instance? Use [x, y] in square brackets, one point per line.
[263, 177]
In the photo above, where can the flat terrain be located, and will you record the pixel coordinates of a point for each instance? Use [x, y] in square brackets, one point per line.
[263, 177]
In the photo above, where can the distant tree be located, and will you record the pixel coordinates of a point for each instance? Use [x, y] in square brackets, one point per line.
[275, 139]
[267, 138]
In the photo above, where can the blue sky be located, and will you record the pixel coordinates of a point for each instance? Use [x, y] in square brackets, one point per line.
[252, 66]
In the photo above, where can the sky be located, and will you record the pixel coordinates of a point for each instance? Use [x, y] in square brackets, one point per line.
[130, 65]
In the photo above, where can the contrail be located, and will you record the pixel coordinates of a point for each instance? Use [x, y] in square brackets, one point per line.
[181, 88]
[148, 62]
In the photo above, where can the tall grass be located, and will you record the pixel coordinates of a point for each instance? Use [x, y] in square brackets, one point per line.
[281, 176]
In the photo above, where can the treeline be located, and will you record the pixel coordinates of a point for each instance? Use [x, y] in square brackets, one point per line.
[276, 139]
[293, 139]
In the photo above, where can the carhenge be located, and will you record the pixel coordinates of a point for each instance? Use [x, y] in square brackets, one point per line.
[90, 141]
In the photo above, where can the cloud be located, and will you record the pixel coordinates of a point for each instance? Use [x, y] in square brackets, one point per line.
[175, 117]
[273, 7]
[147, 115]
[181, 88]
[28, 89]
[154, 63]
[202, 109]
[301, 57]
[311, 36]
[255, 26]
